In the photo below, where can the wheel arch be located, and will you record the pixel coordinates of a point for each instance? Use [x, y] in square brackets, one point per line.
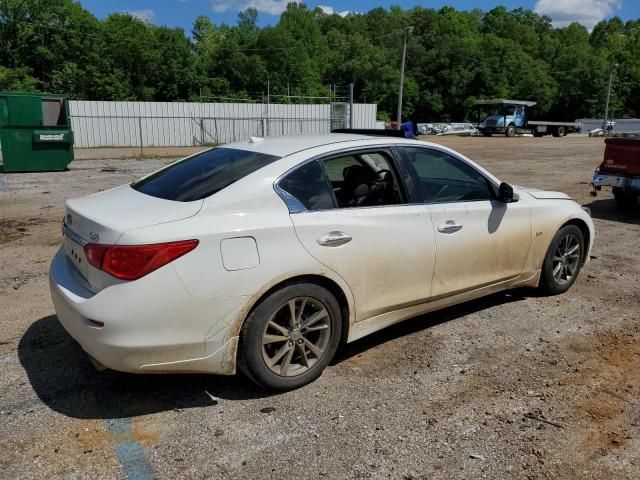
[331, 285]
[586, 235]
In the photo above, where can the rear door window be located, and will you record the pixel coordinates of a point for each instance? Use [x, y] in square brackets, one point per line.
[202, 175]
[363, 179]
[308, 186]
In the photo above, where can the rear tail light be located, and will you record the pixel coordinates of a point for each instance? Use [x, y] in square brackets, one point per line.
[130, 262]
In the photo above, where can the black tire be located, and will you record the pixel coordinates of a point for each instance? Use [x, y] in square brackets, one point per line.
[549, 282]
[253, 355]
[624, 198]
[510, 131]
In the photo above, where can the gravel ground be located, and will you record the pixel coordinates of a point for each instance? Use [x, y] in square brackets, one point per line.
[515, 385]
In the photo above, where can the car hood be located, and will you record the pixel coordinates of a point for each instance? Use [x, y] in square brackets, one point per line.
[543, 194]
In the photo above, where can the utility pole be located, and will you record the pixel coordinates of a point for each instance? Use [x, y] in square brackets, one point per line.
[605, 129]
[407, 32]
[351, 105]
[268, 102]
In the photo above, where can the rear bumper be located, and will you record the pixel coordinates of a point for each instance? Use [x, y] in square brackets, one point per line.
[150, 325]
[615, 180]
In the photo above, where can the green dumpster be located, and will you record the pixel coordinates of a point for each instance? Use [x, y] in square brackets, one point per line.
[35, 132]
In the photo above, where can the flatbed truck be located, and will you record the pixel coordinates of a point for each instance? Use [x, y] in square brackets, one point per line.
[510, 117]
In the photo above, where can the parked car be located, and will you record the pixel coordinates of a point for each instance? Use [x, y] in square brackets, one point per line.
[266, 255]
[620, 169]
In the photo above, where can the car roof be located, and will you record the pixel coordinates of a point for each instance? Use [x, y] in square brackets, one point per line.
[288, 145]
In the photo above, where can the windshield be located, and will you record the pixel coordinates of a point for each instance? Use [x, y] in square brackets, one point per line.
[501, 111]
[202, 175]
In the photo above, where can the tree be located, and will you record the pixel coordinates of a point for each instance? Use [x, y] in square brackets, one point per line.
[453, 58]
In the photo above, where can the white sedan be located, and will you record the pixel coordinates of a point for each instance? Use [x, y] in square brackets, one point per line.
[266, 255]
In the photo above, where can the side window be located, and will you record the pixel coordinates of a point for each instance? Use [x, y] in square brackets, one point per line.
[308, 186]
[443, 178]
[363, 180]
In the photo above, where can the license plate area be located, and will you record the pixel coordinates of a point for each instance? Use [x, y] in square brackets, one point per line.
[75, 254]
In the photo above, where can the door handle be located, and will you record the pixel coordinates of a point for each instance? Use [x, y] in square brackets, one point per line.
[334, 239]
[450, 227]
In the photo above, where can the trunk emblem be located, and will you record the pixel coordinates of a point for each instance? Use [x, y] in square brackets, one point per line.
[94, 237]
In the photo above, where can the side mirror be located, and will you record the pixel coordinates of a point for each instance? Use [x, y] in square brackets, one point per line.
[506, 194]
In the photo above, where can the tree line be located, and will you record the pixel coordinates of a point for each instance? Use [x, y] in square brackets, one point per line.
[453, 58]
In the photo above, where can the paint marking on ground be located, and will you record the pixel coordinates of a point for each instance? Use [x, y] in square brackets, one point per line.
[135, 464]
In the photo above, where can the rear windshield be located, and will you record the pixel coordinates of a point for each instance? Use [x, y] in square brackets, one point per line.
[202, 175]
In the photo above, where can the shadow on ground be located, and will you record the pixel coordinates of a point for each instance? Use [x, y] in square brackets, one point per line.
[607, 209]
[64, 379]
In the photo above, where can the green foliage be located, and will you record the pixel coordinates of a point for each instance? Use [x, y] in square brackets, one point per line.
[453, 58]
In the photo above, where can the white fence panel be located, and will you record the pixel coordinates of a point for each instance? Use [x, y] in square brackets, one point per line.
[131, 124]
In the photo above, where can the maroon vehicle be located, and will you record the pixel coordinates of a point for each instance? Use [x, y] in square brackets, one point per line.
[620, 169]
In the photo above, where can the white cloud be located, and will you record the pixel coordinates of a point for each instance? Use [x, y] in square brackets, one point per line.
[144, 15]
[586, 12]
[273, 7]
[330, 11]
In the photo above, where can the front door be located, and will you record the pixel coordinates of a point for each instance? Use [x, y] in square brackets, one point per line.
[479, 240]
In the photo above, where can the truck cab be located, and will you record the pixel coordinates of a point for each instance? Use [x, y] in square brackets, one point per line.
[502, 116]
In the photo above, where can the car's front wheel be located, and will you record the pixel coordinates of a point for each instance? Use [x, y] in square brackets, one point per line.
[563, 260]
[290, 337]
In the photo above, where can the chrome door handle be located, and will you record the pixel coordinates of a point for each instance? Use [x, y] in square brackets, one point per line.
[334, 239]
[450, 227]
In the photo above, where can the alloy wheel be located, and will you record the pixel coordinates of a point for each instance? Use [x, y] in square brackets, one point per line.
[566, 259]
[296, 336]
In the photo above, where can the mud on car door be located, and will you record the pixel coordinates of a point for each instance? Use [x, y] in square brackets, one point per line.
[480, 240]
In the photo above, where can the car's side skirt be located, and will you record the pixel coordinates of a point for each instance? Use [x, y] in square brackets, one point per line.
[373, 324]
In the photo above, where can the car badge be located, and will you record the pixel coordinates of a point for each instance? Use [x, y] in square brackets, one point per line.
[94, 237]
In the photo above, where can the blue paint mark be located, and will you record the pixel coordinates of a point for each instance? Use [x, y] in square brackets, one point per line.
[135, 464]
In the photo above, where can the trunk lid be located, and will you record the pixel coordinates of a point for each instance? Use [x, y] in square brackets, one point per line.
[622, 156]
[103, 217]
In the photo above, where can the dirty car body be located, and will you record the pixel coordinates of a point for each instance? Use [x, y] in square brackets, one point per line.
[161, 275]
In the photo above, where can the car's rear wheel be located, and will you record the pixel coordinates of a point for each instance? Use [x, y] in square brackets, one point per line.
[563, 260]
[290, 337]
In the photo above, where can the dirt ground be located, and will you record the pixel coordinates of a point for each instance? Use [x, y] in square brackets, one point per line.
[515, 385]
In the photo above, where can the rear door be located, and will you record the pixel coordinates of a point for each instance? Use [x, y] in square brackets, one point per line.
[359, 225]
[479, 240]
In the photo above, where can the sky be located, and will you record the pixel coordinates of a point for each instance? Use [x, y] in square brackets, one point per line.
[181, 13]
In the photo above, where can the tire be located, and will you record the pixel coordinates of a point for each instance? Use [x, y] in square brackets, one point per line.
[625, 198]
[560, 132]
[510, 131]
[270, 321]
[553, 281]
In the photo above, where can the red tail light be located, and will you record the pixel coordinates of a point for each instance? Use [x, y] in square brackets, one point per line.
[130, 262]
